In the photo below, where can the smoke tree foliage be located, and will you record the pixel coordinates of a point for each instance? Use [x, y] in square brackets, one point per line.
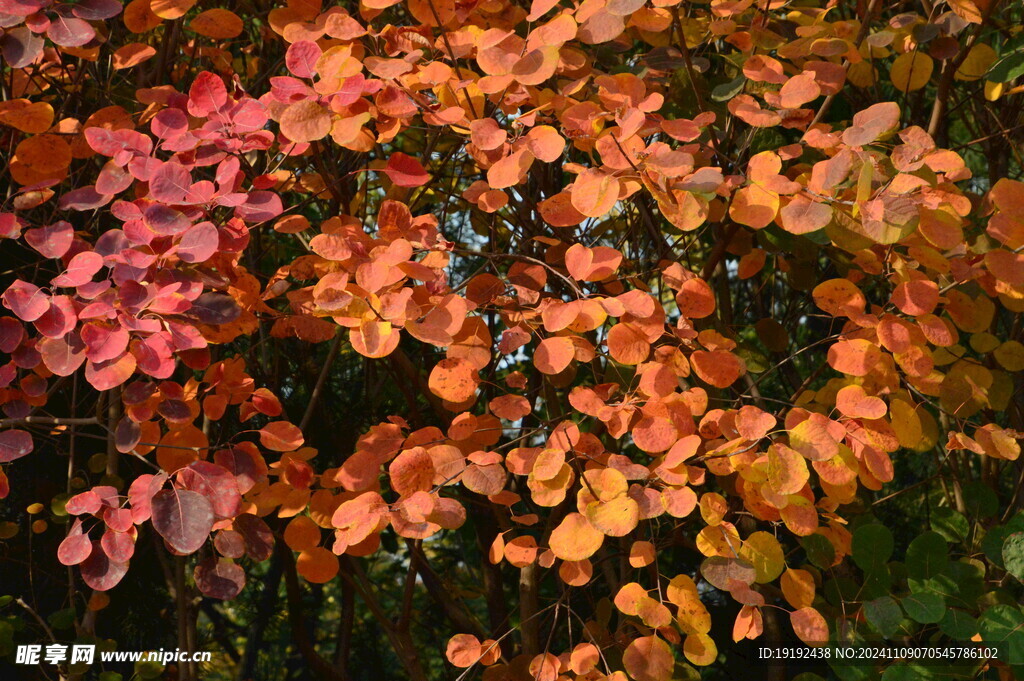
[664, 326]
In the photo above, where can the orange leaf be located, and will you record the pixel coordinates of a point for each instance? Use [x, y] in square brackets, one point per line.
[171, 9]
[916, 298]
[852, 401]
[454, 380]
[281, 436]
[26, 116]
[810, 626]
[855, 357]
[217, 23]
[305, 121]
[464, 650]
[132, 54]
[554, 354]
[318, 565]
[575, 539]
[510, 170]
[797, 587]
[720, 368]
[302, 534]
[594, 192]
[839, 297]
[648, 658]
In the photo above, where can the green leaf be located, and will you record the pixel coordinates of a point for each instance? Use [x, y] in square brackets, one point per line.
[907, 672]
[884, 615]
[872, 546]
[726, 91]
[992, 544]
[925, 607]
[927, 556]
[980, 500]
[819, 550]
[950, 524]
[1013, 555]
[1009, 68]
[1004, 624]
[62, 619]
[958, 625]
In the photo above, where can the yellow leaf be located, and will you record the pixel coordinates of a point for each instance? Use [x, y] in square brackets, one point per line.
[911, 71]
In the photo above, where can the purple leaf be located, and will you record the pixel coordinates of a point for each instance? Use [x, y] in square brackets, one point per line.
[83, 198]
[14, 444]
[166, 221]
[11, 334]
[100, 572]
[183, 518]
[70, 32]
[219, 578]
[243, 465]
[20, 47]
[215, 308]
[259, 540]
[229, 544]
[96, 10]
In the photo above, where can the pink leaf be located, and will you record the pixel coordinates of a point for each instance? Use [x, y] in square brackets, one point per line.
[301, 58]
[170, 184]
[199, 243]
[81, 269]
[74, 549]
[26, 300]
[52, 241]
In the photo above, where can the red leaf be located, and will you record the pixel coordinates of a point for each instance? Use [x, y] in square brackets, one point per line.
[140, 495]
[206, 95]
[74, 549]
[214, 482]
[405, 171]
[119, 546]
